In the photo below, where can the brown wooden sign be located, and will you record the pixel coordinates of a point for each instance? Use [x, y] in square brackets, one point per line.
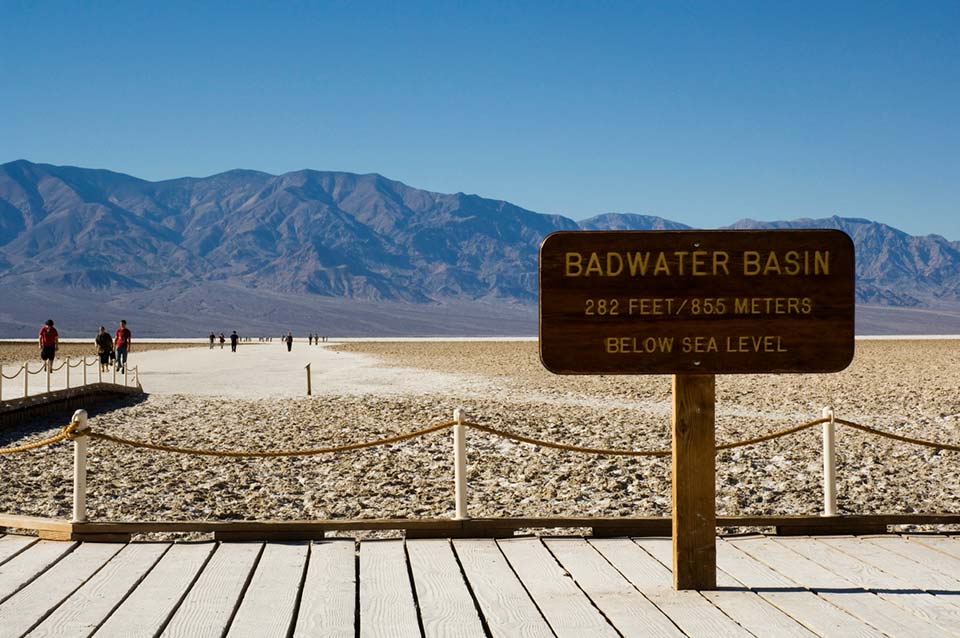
[698, 301]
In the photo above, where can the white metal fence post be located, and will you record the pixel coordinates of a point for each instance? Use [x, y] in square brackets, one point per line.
[114, 375]
[1, 382]
[829, 465]
[460, 464]
[49, 374]
[84, 370]
[80, 469]
[26, 380]
[68, 373]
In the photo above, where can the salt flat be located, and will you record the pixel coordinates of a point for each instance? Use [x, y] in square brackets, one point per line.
[267, 370]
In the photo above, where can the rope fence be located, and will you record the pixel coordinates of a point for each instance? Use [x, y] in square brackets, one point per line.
[80, 433]
[70, 432]
[68, 364]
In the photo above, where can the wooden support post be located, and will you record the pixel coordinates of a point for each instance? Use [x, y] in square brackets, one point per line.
[460, 464]
[80, 469]
[694, 491]
[829, 465]
[309, 383]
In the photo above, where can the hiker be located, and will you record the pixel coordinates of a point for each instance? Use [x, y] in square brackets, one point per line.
[222, 340]
[212, 338]
[234, 338]
[289, 341]
[104, 348]
[121, 343]
[49, 344]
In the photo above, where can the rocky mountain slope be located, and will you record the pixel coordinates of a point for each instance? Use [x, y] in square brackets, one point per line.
[337, 236]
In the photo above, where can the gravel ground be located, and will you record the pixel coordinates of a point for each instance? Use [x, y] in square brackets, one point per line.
[907, 387]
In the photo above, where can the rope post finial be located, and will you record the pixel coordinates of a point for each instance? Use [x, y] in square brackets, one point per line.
[829, 464]
[460, 464]
[80, 467]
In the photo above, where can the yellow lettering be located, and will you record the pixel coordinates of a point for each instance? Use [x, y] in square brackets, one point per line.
[662, 265]
[680, 255]
[611, 272]
[772, 264]
[574, 263]
[751, 263]
[792, 261]
[821, 262]
[637, 262]
[697, 261]
[720, 259]
[593, 265]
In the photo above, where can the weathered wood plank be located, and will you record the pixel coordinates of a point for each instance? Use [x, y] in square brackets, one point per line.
[946, 544]
[504, 603]
[26, 608]
[693, 482]
[446, 607]
[87, 607]
[919, 575]
[328, 603]
[12, 544]
[146, 610]
[212, 600]
[563, 604]
[30, 563]
[747, 609]
[690, 611]
[799, 603]
[887, 586]
[387, 607]
[268, 604]
[933, 559]
[839, 591]
[626, 608]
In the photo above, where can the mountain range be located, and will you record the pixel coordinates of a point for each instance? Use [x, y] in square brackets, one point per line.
[361, 254]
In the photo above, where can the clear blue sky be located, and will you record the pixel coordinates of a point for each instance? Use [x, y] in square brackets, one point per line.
[703, 113]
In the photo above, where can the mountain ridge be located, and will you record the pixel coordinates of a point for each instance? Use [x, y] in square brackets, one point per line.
[343, 236]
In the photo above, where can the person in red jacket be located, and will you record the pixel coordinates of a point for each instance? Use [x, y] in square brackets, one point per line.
[121, 344]
[49, 344]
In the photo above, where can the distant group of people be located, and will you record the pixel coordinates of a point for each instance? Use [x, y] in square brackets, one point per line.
[109, 349]
[287, 339]
[234, 340]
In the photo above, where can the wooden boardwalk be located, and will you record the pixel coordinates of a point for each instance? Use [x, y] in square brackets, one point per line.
[560, 586]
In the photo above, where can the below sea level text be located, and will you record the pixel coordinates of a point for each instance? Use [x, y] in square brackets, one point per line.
[694, 345]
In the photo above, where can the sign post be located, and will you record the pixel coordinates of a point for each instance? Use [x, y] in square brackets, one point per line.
[695, 304]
